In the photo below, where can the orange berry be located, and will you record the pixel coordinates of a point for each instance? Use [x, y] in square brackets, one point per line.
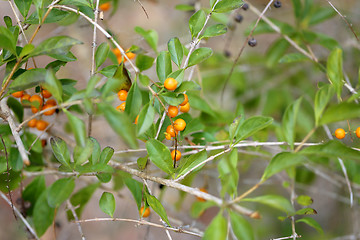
[185, 108]
[49, 112]
[25, 97]
[43, 142]
[105, 6]
[121, 107]
[136, 119]
[167, 136]
[130, 55]
[36, 98]
[170, 130]
[145, 213]
[178, 155]
[45, 93]
[41, 125]
[340, 133]
[199, 198]
[186, 100]
[117, 52]
[357, 132]
[179, 124]
[34, 109]
[173, 111]
[122, 94]
[170, 84]
[18, 94]
[51, 102]
[32, 123]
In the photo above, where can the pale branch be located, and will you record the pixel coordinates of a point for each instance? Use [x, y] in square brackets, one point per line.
[160, 125]
[289, 237]
[93, 47]
[6, 111]
[71, 207]
[18, 20]
[18, 213]
[141, 222]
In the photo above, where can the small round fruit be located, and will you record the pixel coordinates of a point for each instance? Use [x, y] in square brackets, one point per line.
[48, 112]
[105, 6]
[170, 84]
[252, 42]
[18, 94]
[340, 133]
[238, 18]
[121, 107]
[178, 155]
[245, 6]
[117, 52]
[51, 102]
[43, 142]
[145, 213]
[25, 97]
[46, 94]
[199, 198]
[227, 53]
[41, 125]
[170, 130]
[179, 124]
[173, 111]
[36, 98]
[34, 109]
[167, 136]
[357, 132]
[186, 100]
[32, 123]
[122, 95]
[136, 119]
[185, 108]
[277, 4]
[130, 55]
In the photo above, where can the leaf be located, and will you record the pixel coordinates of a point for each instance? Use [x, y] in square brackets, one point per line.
[7, 40]
[159, 154]
[199, 103]
[77, 3]
[282, 161]
[276, 51]
[321, 15]
[107, 203]
[322, 98]
[304, 200]
[188, 86]
[78, 128]
[142, 162]
[17, 108]
[335, 70]
[150, 36]
[81, 198]
[192, 161]
[194, 125]
[274, 201]
[198, 208]
[133, 101]
[293, 57]
[199, 55]
[43, 215]
[250, 126]
[144, 62]
[53, 85]
[120, 80]
[106, 155]
[157, 207]
[104, 177]
[136, 189]
[144, 80]
[163, 65]
[101, 54]
[340, 112]
[184, 7]
[120, 123]
[217, 229]
[242, 228]
[178, 75]
[146, 118]
[33, 191]
[95, 155]
[197, 22]
[59, 45]
[289, 121]
[176, 50]
[172, 98]
[82, 154]
[228, 173]
[60, 151]
[312, 223]
[214, 30]
[29, 79]
[59, 191]
[23, 6]
[227, 5]
[306, 211]
[27, 49]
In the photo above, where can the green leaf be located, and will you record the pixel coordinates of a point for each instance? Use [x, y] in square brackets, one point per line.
[146, 118]
[163, 65]
[322, 98]
[199, 207]
[293, 57]
[77, 3]
[306, 211]
[104, 177]
[142, 162]
[59, 45]
[242, 228]
[29, 79]
[144, 62]
[16, 107]
[184, 7]
[197, 22]
[194, 125]
[188, 86]
[178, 75]
[133, 101]
[27, 49]
[199, 55]
[7, 40]
[101, 54]
[107, 203]
[276, 51]
[106, 155]
[119, 81]
[191, 162]
[215, 30]
[157, 207]
[228, 173]
[120, 123]
[33, 191]
[159, 154]
[150, 36]
[176, 50]
[321, 15]
[95, 155]
[340, 112]
[136, 189]
[81, 198]
[274, 201]
[53, 85]
[199, 103]
[282, 161]
[60, 151]
[82, 154]
[312, 223]
[250, 126]
[78, 128]
[144, 80]
[23, 6]
[227, 5]
[304, 200]
[217, 229]
[335, 70]
[289, 121]
[172, 98]
[59, 191]
[43, 216]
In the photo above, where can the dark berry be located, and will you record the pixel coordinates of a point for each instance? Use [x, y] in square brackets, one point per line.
[252, 42]
[227, 53]
[238, 18]
[161, 186]
[245, 6]
[277, 4]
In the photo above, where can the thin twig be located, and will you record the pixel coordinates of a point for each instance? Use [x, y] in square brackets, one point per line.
[143, 8]
[160, 124]
[71, 207]
[289, 237]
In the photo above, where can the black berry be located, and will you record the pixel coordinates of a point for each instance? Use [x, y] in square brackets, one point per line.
[227, 53]
[245, 6]
[252, 42]
[277, 4]
[161, 186]
[238, 18]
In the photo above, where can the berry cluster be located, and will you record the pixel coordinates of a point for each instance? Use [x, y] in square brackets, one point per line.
[340, 133]
[120, 57]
